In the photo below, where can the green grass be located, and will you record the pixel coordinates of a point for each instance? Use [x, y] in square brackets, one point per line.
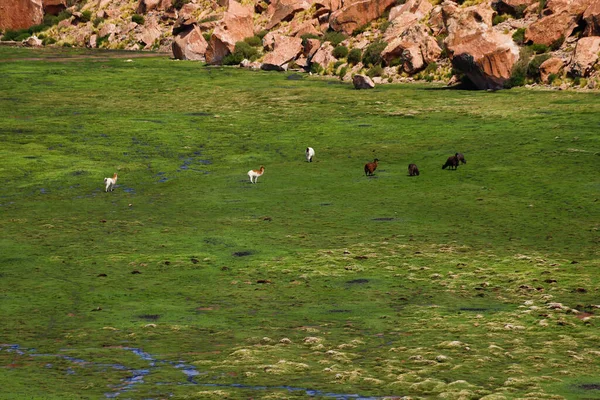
[317, 277]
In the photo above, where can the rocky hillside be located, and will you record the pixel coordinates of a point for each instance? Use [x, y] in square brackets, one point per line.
[490, 43]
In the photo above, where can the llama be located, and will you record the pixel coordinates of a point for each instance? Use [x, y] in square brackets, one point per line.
[110, 182]
[451, 162]
[310, 153]
[461, 158]
[371, 167]
[413, 170]
[253, 174]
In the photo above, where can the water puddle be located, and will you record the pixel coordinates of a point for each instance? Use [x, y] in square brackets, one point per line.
[190, 372]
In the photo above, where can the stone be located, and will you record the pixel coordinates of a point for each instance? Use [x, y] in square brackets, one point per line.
[585, 56]
[362, 82]
[325, 7]
[20, 14]
[484, 55]
[32, 41]
[284, 10]
[189, 45]
[150, 33]
[236, 25]
[310, 47]
[552, 28]
[285, 49]
[550, 66]
[415, 48]
[357, 14]
[323, 56]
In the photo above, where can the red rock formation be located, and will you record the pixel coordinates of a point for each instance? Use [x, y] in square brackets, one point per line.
[54, 7]
[591, 16]
[19, 14]
[549, 29]
[512, 7]
[550, 66]
[285, 50]
[323, 56]
[358, 13]
[189, 45]
[585, 57]
[415, 48]
[284, 10]
[485, 56]
[236, 25]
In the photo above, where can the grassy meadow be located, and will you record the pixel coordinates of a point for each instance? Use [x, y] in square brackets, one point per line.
[188, 282]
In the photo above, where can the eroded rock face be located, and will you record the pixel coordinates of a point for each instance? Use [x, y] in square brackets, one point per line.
[150, 32]
[236, 25]
[485, 56]
[415, 48]
[403, 16]
[54, 7]
[591, 16]
[189, 45]
[552, 28]
[585, 57]
[550, 66]
[323, 56]
[362, 82]
[512, 7]
[284, 10]
[20, 14]
[358, 13]
[285, 49]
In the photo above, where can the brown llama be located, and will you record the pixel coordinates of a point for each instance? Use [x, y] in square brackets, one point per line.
[371, 167]
[413, 170]
[451, 162]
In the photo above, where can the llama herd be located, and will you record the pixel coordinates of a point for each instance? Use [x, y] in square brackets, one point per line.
[451, 163]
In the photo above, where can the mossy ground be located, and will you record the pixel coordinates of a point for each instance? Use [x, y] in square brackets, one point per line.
[316, 278]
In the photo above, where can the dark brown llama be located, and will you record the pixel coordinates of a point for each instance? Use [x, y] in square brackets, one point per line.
[371, 167]
[413, 170]
[451, 162]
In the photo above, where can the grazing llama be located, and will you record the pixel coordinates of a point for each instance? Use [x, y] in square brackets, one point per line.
[461, 158]
[371, 167]
[310, 153]
[110, 182]
[413, 170]
[253, 174]
[451, 162]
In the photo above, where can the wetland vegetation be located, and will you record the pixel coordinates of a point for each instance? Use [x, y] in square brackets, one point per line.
[187, 281]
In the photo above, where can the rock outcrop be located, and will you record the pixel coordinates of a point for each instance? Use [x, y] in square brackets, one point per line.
[54, 7]
[20, 14]
[549, 67]
[585, 57]
[285, 49]
[236, 25]
[357, 14]
[484, 55]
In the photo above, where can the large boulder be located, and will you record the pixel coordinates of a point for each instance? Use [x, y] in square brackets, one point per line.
[550, 66]
[405, 15]
[591, 16]
[284, 10]
[20, 14]
[297, 28]
[54, 7]
[358, 13]
[324, 55]
[362, 82]
[236, 25]
[414, 47]
[324, 7]
[585, 57]
[285, 49]
[484, 55]
[149, 33]
[189, 45]
[548, 30]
